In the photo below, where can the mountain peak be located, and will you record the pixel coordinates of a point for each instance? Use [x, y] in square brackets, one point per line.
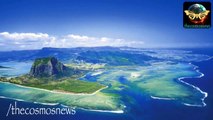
[47, 67]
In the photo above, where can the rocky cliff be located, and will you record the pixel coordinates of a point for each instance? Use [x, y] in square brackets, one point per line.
[48, 67]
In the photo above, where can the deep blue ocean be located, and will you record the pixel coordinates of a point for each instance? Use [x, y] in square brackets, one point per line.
[145, 108]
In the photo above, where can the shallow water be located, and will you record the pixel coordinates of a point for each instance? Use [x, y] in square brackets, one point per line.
[140, 106]
[14, 68]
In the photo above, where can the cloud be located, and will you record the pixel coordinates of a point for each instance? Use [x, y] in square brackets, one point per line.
[87, 41]
[21, 41]
[79, 37]
[22, 36]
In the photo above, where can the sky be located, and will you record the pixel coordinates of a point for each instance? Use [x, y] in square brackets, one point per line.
[33, 24]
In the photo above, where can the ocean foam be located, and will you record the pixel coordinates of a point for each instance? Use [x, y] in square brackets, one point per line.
[162, 98]
[107, 111]
[96, 73]
[197, 88]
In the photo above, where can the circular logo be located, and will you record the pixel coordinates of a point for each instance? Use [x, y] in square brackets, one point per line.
[197, 13]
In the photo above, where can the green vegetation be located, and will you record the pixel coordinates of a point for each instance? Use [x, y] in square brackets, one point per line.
[98, 101]
[69, 85]
[114, 58]
[48, 73]
[62, 85]
[39, 61]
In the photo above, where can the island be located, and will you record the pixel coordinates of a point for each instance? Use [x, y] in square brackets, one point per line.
[49, 73]
[100, 79]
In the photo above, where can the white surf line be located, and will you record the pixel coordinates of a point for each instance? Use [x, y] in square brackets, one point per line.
[55, 91]
[161, 98]
[13, 98]
[21, 100]
[6, 68]
[50, 104]
[97, 73]
[210, 58]
[80, 93]
[192, 105]
[53, 104]
[109, 111]
[181, 80]
[106, 111]
[3, 97]
[196, 69]
[197, 88]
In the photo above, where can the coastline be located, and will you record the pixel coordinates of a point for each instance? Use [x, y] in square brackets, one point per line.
[64, 92]
[181, 79]
[56, 91]
[53, 104]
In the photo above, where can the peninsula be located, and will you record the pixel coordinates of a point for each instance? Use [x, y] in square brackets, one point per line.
[50, 74]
